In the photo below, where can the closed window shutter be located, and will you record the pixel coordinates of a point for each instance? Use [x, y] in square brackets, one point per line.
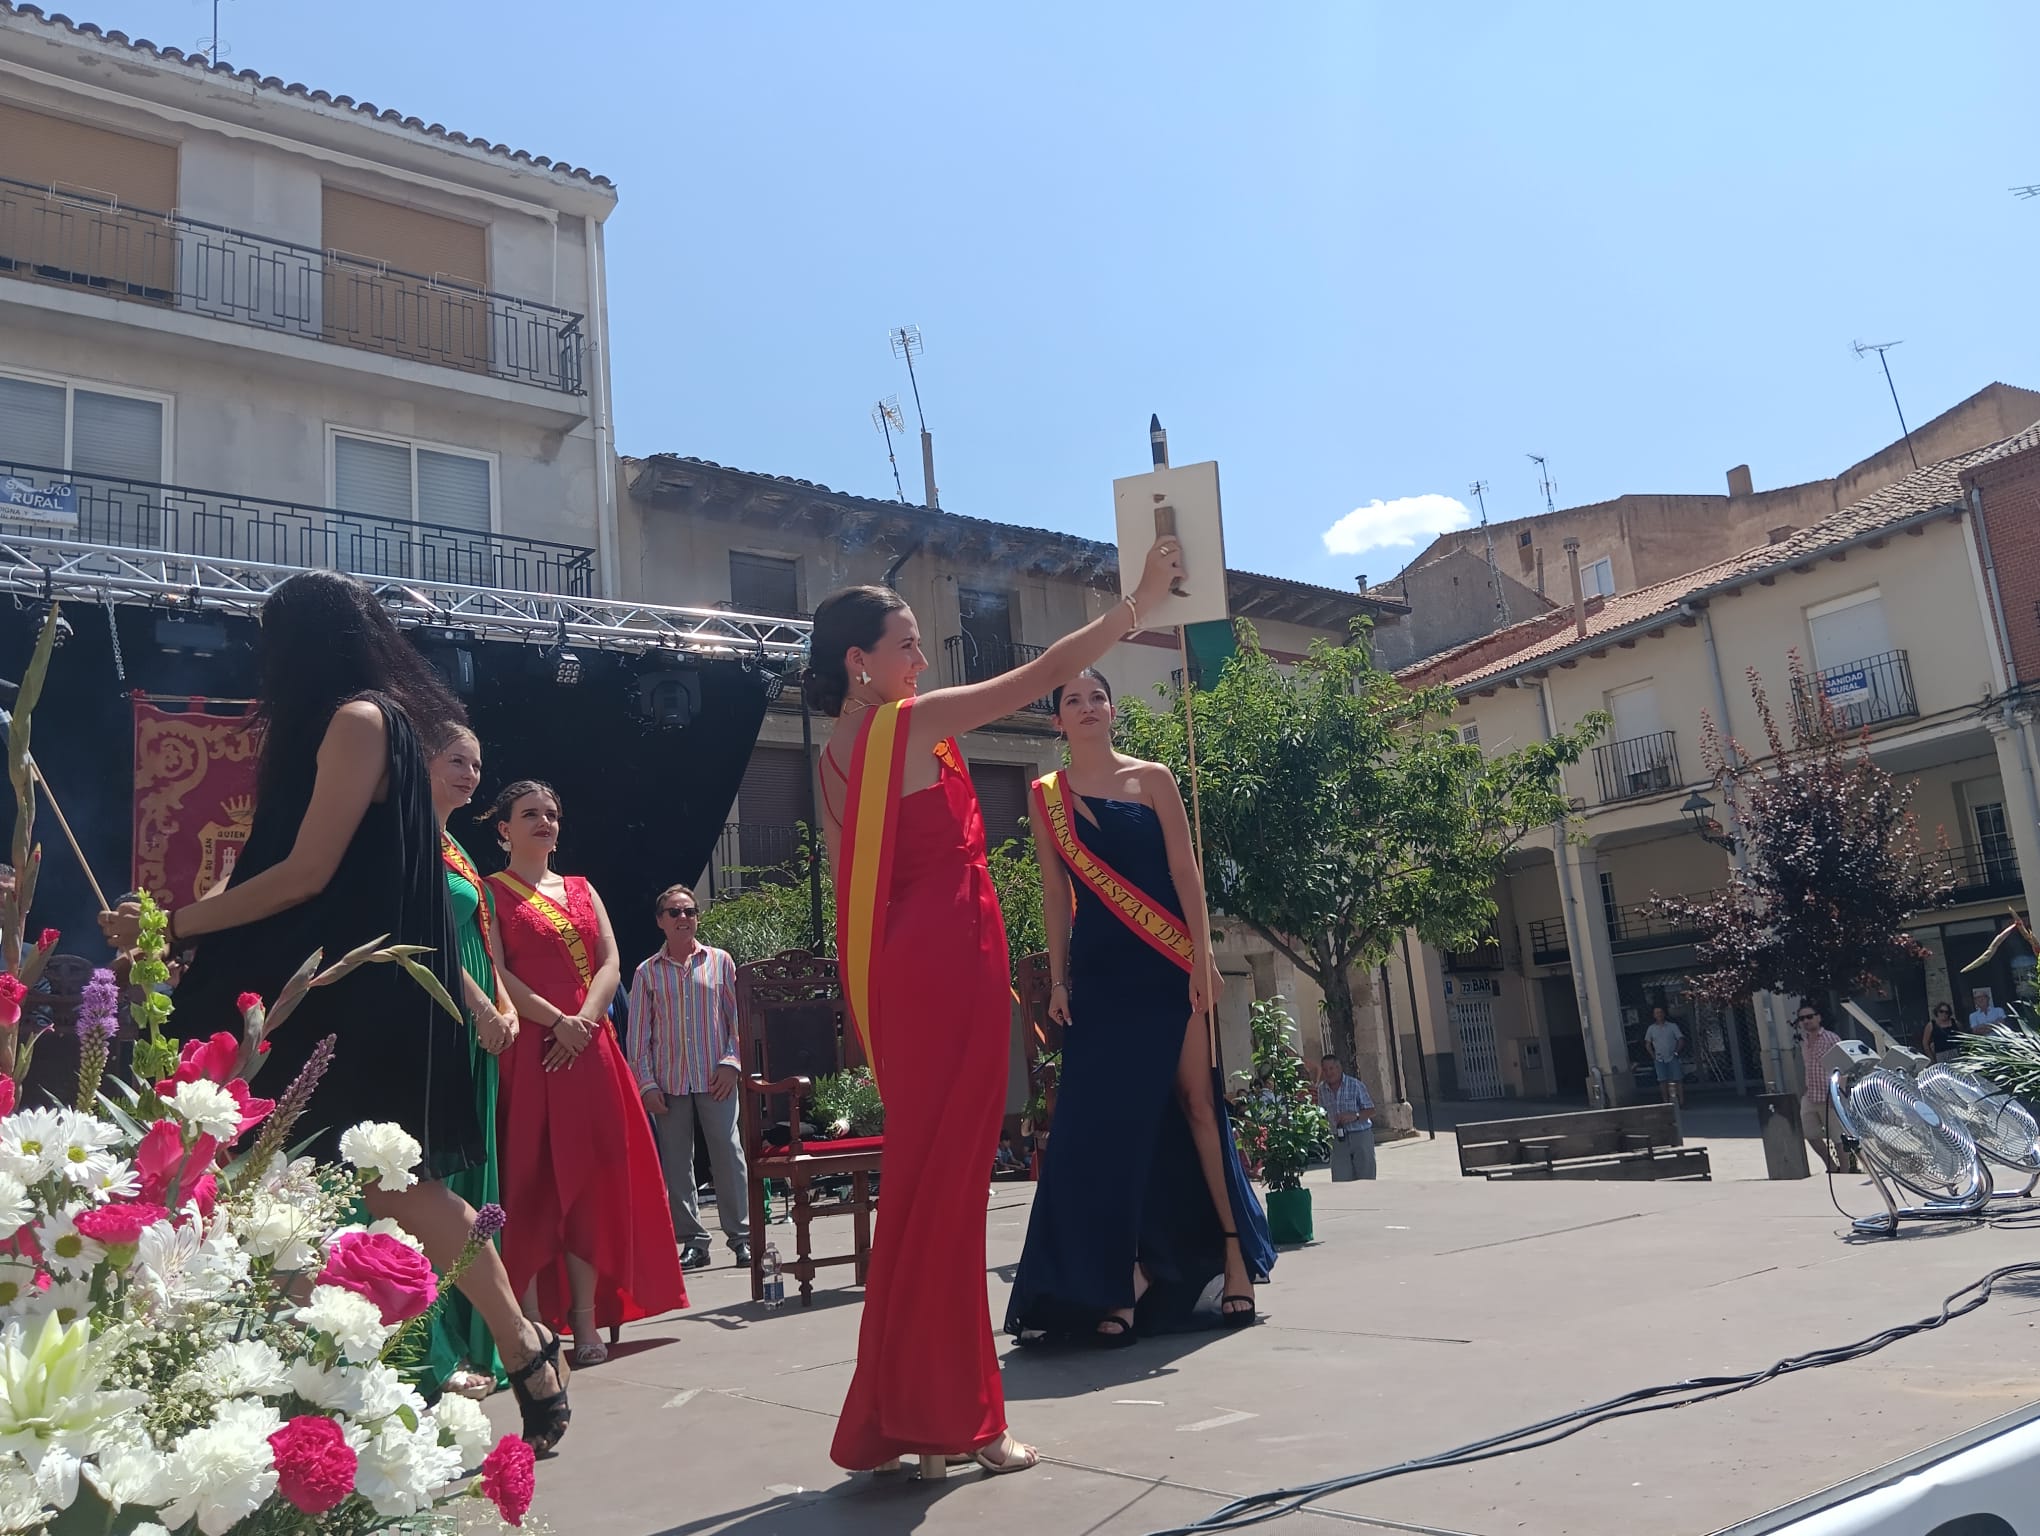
[453, 491]
[31, 423]
[764, 584]
[1853, 633]
[372, 477]
[1002, 797]
[777, 793]
[116, 438]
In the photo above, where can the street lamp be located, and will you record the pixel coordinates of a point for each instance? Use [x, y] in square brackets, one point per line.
[1699, 814]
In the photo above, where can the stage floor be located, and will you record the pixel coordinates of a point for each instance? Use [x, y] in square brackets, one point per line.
[1431, 1311]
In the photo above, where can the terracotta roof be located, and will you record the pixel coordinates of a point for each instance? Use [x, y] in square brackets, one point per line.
[249, 77]
[663, 476]
[1935, 489]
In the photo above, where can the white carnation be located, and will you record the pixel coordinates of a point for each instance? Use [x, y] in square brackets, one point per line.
[385, 1151]
[380, 1392]
[221, 1474]
[240, 1368]
[280, 1233]
[16, 1208]
[130, 1473]
[207, 1108]
[383, 1228]
[352, 1321]
[462, 1419]
[400, 1469]
[334, 1390]
[56, 1477]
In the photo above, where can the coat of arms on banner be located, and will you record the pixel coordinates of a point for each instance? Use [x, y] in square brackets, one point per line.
[194, 795]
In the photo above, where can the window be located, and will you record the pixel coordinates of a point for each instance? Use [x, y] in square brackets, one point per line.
[1635, 712]
[410, 482]
[766, 584]
[407, 293]
[1523, 539]
[1470, 734]
[95, 219]
[1849, 629]
[56, 425]
[1002, 799]
[775, 799]
[987, 622]
[1611, 909]
[1598, 579]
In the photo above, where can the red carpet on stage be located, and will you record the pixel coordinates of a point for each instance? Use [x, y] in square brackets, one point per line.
[194, 793]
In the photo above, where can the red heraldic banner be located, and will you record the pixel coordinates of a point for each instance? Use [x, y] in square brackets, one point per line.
[194, 795]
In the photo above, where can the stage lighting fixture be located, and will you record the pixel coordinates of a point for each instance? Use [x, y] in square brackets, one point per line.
[564, 665]
[191, 636]
[670, 699]
[450, 653]
[775, 685]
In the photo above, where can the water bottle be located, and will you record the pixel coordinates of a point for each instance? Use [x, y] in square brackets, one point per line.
[775, 1281]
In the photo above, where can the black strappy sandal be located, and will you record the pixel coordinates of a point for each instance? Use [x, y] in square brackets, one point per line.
[545, 1418]
[1226, 1316]
[1113, 1332]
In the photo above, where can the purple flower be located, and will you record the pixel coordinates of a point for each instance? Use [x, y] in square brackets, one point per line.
[99, 1009]
[489, 1220]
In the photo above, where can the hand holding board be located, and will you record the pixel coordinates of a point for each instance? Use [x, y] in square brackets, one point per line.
[1183, 502]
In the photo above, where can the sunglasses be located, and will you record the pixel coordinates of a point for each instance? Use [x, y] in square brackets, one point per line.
[679, 912]
[1807, 1018]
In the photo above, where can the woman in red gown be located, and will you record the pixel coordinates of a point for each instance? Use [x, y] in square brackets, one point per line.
[589, 1237]
[926, 975]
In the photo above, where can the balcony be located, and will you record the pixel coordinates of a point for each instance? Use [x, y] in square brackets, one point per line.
[1857, 695]
[1980, 874]
[1640, 766]
[84, 241]
[970, 660]
[749, 854]
[217, 525]
[1632, 929]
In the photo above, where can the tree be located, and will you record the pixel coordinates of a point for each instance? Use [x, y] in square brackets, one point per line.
[1340, 808]
[1833, 867]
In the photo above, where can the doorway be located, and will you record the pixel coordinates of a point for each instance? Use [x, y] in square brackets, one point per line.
[1568, 1040]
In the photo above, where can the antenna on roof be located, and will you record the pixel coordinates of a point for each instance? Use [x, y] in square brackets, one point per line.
[1880, 348]
[887, 418]
[212, 47]
[1478, 491]
[1544, 481]
[2032, 191]
[906, 344]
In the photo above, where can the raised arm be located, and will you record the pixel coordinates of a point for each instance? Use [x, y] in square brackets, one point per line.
[954, 711]
[1056, 899]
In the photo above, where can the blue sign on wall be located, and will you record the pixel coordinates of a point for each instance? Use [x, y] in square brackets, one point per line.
[23, 501]
[1848, 686]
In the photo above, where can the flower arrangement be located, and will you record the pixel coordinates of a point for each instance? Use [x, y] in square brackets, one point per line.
[198, 1340]
[847, 1104]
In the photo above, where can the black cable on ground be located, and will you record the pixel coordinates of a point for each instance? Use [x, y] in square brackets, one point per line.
[1254, 1509]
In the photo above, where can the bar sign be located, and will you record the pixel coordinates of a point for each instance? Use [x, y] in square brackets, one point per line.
[23, 501]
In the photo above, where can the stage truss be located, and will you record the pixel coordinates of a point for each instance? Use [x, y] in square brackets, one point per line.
[191, 584]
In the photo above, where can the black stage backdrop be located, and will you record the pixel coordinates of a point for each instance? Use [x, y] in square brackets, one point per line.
[644, 804]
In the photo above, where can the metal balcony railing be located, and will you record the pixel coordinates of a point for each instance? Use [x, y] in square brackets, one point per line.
[1632, 928]
[970, 660]
[1980, 874]
[749, 854]
[219, 525]
[1859, 693]
[86, 240]
[1642, 765]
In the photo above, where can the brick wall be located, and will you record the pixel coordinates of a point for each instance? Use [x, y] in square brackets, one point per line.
[2010, 490]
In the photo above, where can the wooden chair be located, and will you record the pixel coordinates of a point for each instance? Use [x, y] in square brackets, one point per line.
[792, 1028]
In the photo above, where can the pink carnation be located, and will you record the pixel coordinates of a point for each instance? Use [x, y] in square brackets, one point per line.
[120, 1224]
[314, 1463]
[12, 991]
[47, 940]
[388, 1271]
[248, 1002]
[508, 1479]
[6, 1095]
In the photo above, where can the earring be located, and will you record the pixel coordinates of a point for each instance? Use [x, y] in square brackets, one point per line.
[864, 678]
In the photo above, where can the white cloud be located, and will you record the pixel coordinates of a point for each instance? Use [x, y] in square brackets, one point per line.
[1402, 523]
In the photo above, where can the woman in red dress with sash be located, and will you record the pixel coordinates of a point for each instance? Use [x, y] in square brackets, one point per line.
[927, 979]
[589, 1236]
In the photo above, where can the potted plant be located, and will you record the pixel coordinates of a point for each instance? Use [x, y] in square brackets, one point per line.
[1280, 1128]
[847, 1105]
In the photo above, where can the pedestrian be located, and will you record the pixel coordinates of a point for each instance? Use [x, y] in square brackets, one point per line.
[1816, 1112]
[683, 1049]
[1667, 1043]
[1985, 1014]
[1345, 1100]
[1941, 1040]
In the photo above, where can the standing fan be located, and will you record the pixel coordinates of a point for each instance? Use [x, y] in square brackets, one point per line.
[2003, 1129]
[1905, 1140]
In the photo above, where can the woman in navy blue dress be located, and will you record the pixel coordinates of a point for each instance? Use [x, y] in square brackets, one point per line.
[1143, 1201]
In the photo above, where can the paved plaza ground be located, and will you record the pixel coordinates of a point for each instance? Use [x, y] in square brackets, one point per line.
[1432, 1310]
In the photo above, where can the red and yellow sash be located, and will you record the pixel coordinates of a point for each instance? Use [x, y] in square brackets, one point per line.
[556, 917]
[1148, 918]
[864, 881]
[455, 858]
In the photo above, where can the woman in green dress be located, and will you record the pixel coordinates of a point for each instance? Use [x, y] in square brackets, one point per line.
[459, 1354]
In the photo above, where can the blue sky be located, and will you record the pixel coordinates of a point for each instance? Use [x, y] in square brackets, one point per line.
[1358, 253]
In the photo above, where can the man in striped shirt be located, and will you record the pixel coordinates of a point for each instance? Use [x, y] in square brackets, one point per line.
[683, 1048]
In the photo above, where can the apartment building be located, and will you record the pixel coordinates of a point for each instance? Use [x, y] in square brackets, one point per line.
[1915, 612]
[988, 596]
[1638, 541]
[253, 321]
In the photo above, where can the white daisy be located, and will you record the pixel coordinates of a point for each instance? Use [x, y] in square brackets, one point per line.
[16, 1208]
[17, 1285]
[32, 1143]
[207, 1108]
[65, 1249]
[110, 1177]
[386, 1152]
[353, 1322]
[70, 1299]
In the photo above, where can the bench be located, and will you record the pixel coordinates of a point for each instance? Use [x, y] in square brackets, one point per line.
[1635, 1141]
